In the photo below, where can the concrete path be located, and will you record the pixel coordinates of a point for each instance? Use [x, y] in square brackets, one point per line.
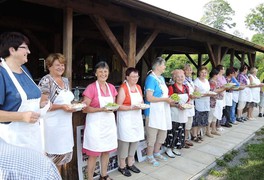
[198, 159]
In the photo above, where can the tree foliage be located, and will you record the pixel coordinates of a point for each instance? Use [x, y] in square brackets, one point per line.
[218, 14]
[258, 39]
[255, 20]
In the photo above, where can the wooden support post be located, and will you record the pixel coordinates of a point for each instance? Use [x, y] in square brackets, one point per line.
[232, 55]
[67, 41]
[130, 40]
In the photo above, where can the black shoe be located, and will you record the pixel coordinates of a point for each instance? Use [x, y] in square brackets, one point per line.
[260, 115]
[227, 125]
[124, 171]
[133, 168]
[240, 120]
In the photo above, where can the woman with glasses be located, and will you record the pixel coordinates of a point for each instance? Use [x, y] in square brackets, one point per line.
[130, 128]
[19, 95]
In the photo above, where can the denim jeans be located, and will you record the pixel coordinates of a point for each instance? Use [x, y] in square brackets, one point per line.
[233, 112]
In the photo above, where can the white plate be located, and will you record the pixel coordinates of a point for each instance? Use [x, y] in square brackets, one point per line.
[78, 106]
[187, 106]
[111, 108]
[143, 106]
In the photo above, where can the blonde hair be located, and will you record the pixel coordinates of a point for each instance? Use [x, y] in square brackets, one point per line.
[53, 57]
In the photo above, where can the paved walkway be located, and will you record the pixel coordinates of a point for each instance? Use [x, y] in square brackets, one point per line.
[198, 159]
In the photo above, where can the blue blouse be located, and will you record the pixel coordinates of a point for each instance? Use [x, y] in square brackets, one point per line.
[10, 99]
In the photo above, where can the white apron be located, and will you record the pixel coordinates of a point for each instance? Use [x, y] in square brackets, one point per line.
[178, 115]
[58, 131]
[245, 94]
[228, 99]
[190, 112]
[21, 133]
[100, 132]
[202, 104]
[130, 123]
[218, 110]
[255, 91]
[235, 96]
[160, 115]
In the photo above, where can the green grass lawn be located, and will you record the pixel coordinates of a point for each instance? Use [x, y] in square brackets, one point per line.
[250, 167]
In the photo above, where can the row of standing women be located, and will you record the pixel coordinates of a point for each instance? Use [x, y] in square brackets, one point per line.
[23, 103]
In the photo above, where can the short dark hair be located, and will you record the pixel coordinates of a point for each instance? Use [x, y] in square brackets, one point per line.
[11, 39]
[230, 71]
[130, 70]
[101, 64]
[213, 73]
[219, 67]
[243, 67]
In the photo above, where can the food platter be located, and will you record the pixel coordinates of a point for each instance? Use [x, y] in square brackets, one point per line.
[112, 106]
[187, 106]
[228, 85]
[175, 97]
[211, 93]
[78, 106]
[143, 106]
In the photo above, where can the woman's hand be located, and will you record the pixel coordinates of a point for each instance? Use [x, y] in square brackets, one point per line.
[67, 108]
[30, 116]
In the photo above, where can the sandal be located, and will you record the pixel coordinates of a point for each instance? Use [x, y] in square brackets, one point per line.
[160, 157]
[124, 171]
[188, 143]
[153, 161]
[105, 178]
[196, 139]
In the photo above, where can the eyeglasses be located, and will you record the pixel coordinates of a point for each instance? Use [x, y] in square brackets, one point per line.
[134, 76]
[24, 47]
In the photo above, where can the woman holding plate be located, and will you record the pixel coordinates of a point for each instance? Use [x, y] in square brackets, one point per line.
[58, 130]
[130, 127]
[100, 134]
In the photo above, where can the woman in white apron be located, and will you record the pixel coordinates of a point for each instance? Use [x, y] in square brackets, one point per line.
[100, 134]
[228, 97]
[255, 91]
[261, 103]
[202, 105]
[19, 95]
[190, 112]
[158, 118]
[176, 136]
[130, 127]
[245, 94]
[216, 104]
[57, 123]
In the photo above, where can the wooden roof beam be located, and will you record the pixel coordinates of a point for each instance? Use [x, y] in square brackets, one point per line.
[145, 45]
[110, 37]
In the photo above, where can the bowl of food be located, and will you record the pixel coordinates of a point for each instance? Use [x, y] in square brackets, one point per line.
[175, 97]
[78, 106]
[111, 106]
[229, 85]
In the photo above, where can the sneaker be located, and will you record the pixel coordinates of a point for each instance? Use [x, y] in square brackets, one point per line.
[235, 123]
[160, 157]
[260, 115]
[176, 152]
[169, 153]
[220, 129]
[153, 161]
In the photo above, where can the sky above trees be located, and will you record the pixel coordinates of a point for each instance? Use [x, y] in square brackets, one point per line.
[193, 9]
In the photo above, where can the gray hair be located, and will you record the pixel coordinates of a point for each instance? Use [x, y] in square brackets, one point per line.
[157, 61]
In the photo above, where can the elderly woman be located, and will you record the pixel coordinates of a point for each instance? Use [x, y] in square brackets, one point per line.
[58, 120]
[255, 91]
[245, 95]
[158, 117]
[130, 127]
[19, 95]
[190, 112]
[100, 134]
[216, 103]
[176, 137]
[202, 105]
[261, 103]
